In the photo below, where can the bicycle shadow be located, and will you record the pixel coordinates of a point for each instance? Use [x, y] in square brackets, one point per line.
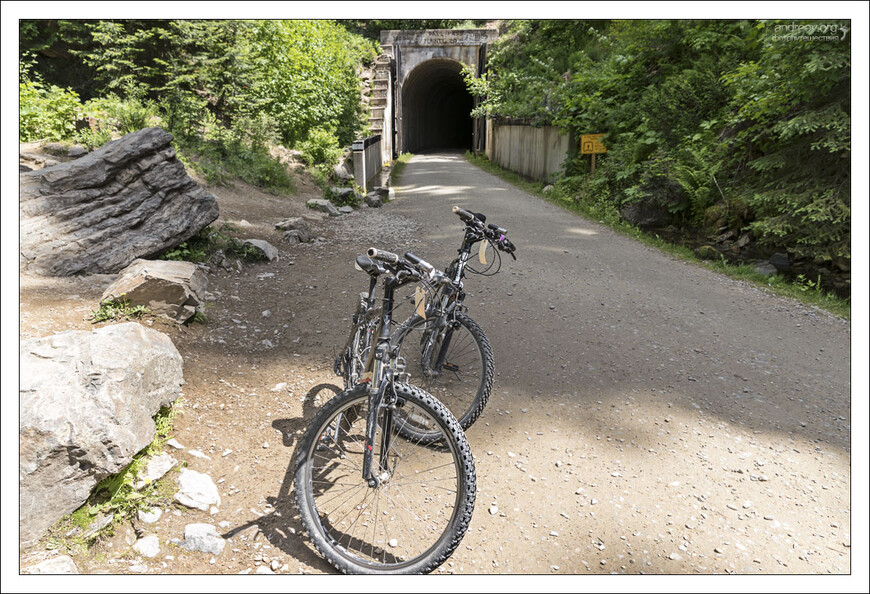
[282, 528]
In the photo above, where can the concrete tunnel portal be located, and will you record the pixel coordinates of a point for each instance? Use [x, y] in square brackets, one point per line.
[436, 108]
[419, 101]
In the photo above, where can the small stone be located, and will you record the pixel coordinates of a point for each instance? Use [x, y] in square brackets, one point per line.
[394, 542]
[139, 568]
[60, 564]
[147, 546]
[279, 387]
[493, 509]
[198, 454]
[204, 538]
[150, 516]
[265, 445]
[593, 501]
[747, 504]
[226, 453]
[267, 313]
[553, 533]
[275, 564]
[718, 550]
[154, 470]
[196, 490]
[675, 556]
[173, 443]
[262, 569]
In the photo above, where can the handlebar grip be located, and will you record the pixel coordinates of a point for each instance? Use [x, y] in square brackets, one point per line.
[383, 255]
[419, 262]
[463, 214]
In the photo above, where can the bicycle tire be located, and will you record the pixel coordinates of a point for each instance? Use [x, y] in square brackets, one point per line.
[465, 399]
[430, 516]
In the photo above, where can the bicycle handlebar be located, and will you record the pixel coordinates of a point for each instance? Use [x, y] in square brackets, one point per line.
[419, 262]
[383, 255]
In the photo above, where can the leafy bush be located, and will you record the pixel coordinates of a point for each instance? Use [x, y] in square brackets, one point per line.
[121, 116]
[45, 111]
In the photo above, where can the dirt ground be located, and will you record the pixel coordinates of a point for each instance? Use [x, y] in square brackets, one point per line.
[608, 447]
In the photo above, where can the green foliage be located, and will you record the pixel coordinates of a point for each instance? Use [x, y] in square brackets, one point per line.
[201, 246]
[306, 73]
[116, 494]
[718, 123]
[45, 111]
[116, 310]
[92, 138]
[121, 115]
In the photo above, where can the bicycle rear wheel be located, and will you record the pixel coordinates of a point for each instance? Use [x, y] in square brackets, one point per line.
[415, 518]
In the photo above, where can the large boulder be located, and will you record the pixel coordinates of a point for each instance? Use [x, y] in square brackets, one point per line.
[130, 199]
[86, 405]
[171, 289]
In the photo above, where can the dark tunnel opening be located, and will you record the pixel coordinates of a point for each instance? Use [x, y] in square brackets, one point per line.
[436, 108]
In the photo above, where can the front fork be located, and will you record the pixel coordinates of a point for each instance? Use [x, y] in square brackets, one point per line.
[381, 404]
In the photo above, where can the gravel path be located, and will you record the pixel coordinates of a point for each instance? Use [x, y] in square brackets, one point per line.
[647, 416]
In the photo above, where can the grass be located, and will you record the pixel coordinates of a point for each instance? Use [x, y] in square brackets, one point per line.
[116, 495]
[117, 310]
[201, 246]
[398, 166]
[805, 291]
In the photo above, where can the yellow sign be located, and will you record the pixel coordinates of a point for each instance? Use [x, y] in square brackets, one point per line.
[591, 144]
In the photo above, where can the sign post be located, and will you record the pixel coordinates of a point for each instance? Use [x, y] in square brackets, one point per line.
[590, 144]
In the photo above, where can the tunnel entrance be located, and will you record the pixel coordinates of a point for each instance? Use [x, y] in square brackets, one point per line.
[436, 108]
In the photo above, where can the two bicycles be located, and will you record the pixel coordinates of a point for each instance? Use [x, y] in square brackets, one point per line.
[384, 476]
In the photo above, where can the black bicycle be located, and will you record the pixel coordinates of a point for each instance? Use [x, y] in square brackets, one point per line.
[440, 344]
[373, 497]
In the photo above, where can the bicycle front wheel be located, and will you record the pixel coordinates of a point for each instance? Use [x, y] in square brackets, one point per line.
[457, 369]
[416, 516]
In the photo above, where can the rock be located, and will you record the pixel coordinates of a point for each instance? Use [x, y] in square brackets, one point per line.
[743, 241]
[344, 170]
[645, 214]
[292, 237]
[173, 443]
[87, 400]
[764, 267]
[548, 188]
[323, 205]
[708, 252]
[266, 248]
[148, 546]
[129, 199]
[154, 470]
[150, 516]
[55, 565]
[173, 290]
[345, 209]
[220, 259]
[298, 224]
[262, 569]
[76, 151]
[55, 148]
[139, 568]
[384, 193]
[196, 490]
[204, 538]
[341, 195]
[373, 200]
[780, 261]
